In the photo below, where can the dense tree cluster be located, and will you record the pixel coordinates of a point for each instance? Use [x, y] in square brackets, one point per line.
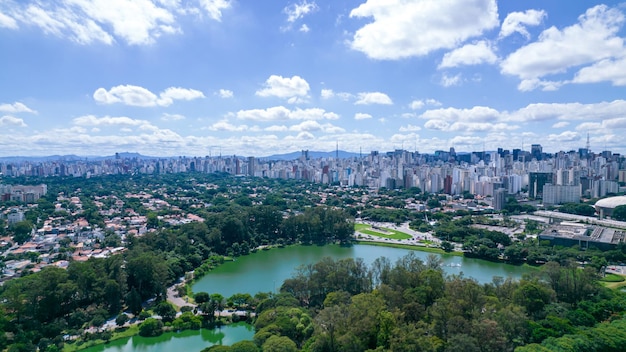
[43, 305]
[413, 306]
[578, 209]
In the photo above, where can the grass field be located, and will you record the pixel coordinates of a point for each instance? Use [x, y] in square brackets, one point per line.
[382, 232]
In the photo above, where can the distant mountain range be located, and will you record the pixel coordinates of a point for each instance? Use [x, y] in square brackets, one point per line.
[127, 155]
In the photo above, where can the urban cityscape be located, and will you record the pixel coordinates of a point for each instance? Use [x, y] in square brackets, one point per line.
[312, 176]
[556, 178]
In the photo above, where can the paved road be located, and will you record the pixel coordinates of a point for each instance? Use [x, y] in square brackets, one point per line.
[173, 298]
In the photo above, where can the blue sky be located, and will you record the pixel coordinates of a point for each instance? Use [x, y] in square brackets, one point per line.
[250, 77]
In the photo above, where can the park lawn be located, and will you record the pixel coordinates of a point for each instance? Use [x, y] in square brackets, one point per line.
[117, 334]
[391, 233]
[410, 246]
[613, 281]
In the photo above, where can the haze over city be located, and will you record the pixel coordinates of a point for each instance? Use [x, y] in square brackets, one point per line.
[255, 78]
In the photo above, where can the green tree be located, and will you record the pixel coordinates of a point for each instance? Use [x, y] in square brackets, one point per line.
[201, 297]
[619, 213]
[279, 344]
[22, 231]
[166, 311]
[151, 327]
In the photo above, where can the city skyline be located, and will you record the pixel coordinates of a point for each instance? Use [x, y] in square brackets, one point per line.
[187, 77]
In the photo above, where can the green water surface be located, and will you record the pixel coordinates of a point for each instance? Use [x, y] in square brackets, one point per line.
[188, 340]
[265, 271]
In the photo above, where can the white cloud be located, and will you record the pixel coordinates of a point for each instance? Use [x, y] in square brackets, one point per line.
[449, 81]
[304, 28]
[567, 136]
[402, 29]
[368, 98]
[91, 120]
[226, 126]
[172, 117]
[16, 107]
[295, 12]
[7, 22]
[560, 124]
[277, 128]
[362, 116]
[136, 22]
[139, 96]
[469, 54]
[327, 93]
[605, 126]
[281, 113]
[214, 8]
[611, 70]
[12, 121]
[475, 114]
[515, 22]
[170, 94]
[294, 88]
[225, 93]
[418, 104]
[410, 128]
[569, 111]
[313, 126]
[436, 125]
[594, 38]
[527, 85]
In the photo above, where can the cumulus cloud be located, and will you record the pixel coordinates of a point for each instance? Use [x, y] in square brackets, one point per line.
[567, 136]
[611, 70]
[295, 12]
[314, 126]
[12, 121]
[362, 116]
[560, 124]
[107, 121]
[449, 81]
[327, 93]
[304, 28]
[402, 29]
[139, 96]
[16, 107]
[368, 98]
[281, 113]
[225, 93]
[137, 22]
[295, 89]
[516, 22]
[593, 38]
[418, 104]
[214, 8]
[226, 126]
[568, 111]
[469, 54]
[410, 128]
[474, 114]
[7, 22]
[172, 117]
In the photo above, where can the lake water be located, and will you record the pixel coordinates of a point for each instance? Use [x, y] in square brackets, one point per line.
[188, 340]
[265, 271]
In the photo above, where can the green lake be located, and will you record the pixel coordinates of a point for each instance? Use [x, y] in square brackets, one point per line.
[188, 340]
[265, 271]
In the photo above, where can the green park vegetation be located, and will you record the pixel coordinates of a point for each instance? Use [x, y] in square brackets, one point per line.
[612, 278]
[329, 306]
[412, 305]
[381, 232]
